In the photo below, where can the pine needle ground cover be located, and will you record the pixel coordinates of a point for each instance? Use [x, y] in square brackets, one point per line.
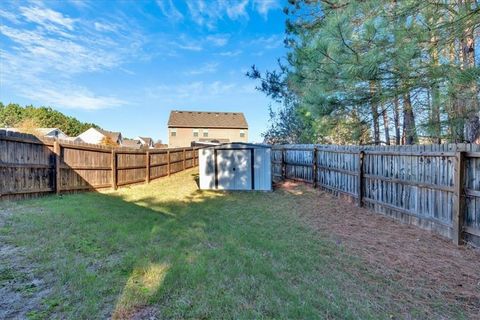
[167, 250]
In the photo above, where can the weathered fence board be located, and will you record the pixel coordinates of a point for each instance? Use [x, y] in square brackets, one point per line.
[426, 185]
[30, 166]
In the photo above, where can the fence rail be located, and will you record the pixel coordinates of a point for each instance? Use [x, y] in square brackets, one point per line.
[436, 187]
[30, 166]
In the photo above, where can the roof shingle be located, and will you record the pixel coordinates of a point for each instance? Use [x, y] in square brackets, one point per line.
[130, 143]
[147, 140]
[115, 136]
[207, 119]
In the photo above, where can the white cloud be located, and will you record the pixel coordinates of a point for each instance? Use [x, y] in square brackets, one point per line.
[206, 68]
[237, 9]
[190, 47]
[71, 97]
[264, 6]
[218, 40]
[233, 53]
[201, 14]
[198, 92]
[271, 42]
[9, 16]
[47, 18]
[49, 50]
[186, 42]
[81, 4]
[44, 53]
[105, 26]
[209, 14]
[169, 10]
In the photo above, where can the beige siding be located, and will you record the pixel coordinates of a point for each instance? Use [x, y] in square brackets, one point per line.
[184, 136]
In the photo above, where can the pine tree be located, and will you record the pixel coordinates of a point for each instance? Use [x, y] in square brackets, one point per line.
[411, 61]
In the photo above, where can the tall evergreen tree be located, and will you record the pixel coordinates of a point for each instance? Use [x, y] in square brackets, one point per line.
[408, 64]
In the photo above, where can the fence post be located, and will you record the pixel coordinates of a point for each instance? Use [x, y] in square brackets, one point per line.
[284, 170]
[361, 156]
[184, 159]
[57, 149]
[114, 170]
[459, 198]
[168, 163]
[147, 167]
[315, 172]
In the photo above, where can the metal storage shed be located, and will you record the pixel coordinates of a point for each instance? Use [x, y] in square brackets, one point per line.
[235, 166]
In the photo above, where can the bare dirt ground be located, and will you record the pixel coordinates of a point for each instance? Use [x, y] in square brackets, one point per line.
[20, 291]
[429, 266]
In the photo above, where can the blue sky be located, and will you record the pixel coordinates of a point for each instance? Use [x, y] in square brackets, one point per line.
[124, 65]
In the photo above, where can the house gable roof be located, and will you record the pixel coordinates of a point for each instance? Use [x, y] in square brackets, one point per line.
[42, 131]
[147, 140]
[115, 136]
[46, 131]
[207, 119]
[130, 143]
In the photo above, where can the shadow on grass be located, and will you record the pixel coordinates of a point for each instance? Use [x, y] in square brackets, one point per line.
[196, 178]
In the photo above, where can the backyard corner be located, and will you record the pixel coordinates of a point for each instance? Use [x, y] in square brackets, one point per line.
[169, 250]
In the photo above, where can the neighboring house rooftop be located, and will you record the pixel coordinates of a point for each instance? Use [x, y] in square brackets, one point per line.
[72, 139]
[207, 119]
[147, 140]
[42, 131]
[160, 145]
[115, 136]
[130, 143]
[46, 131]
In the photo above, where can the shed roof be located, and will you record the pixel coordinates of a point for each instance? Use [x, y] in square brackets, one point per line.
[240, 145]
[207, 119]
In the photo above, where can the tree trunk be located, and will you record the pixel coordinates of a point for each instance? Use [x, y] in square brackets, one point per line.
[457, 108]
[386, 126]
[375, 114]
[472, 125]
[435, 125]
[396, 120]
[408, 120]
[376, 125]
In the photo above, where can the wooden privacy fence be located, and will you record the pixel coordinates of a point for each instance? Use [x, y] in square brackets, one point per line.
[436, 187]
[30, 166]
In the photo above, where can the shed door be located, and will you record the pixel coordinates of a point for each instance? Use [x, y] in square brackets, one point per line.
[242, 170]
[234, 171]
[225, 170]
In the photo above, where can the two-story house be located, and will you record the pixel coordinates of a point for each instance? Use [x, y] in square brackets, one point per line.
[188, 127]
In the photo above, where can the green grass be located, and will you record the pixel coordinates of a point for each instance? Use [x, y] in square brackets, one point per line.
[186, 253]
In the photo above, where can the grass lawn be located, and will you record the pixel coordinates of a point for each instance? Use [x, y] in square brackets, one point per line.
[168, 250]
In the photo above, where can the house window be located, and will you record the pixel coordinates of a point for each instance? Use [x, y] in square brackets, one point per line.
[195, 132]
[242, 133]
[173, 132]
[205, 133]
